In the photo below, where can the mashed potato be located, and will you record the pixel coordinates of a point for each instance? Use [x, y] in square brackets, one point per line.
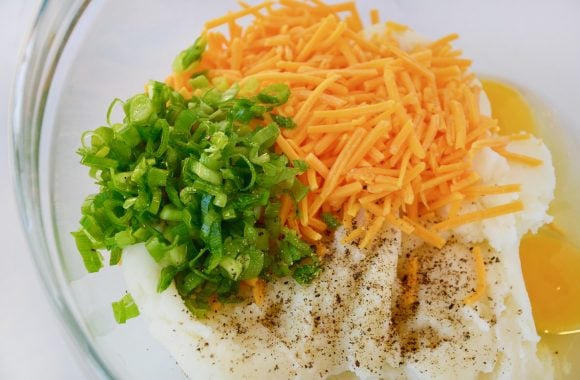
[354, 318]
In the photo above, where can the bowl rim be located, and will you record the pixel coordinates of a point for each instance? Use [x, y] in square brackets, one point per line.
[45, 42]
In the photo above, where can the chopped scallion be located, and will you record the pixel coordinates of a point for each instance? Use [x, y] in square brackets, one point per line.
[198, 181]
[125, 309]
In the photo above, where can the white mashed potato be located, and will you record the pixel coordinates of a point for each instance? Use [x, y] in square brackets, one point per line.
[353, 321]
[352, 318]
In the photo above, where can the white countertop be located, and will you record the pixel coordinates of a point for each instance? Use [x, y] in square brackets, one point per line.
[33, 343]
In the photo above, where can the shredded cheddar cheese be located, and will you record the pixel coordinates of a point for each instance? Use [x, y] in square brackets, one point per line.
[410, 295]
[257, 286]
[353, 235]
[491, 212]
[481, 278]
[383, 129]
[519, 158]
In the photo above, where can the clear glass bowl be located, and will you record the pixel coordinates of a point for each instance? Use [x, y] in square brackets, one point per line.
[83, 54]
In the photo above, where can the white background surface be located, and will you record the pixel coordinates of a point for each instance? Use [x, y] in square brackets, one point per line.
[33, 344]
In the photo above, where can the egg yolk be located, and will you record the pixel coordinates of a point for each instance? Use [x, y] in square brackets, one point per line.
[551, 269]
[510, 108]
[550, 262]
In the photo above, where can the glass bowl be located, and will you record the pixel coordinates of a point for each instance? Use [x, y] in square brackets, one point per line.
[82, 54]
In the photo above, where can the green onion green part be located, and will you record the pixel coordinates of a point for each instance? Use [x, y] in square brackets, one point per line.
[198, 182]
[125, 309]
[330, 220]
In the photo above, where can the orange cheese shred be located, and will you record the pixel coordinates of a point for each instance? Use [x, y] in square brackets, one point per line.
[492, 212]
[519, 158]
[410, 295]
[481, 277]
[353, 235]
[375, 18]
[427, 235]
[492, 190]
[373, 231]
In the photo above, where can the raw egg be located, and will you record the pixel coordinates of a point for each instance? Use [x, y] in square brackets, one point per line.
[550, 260]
